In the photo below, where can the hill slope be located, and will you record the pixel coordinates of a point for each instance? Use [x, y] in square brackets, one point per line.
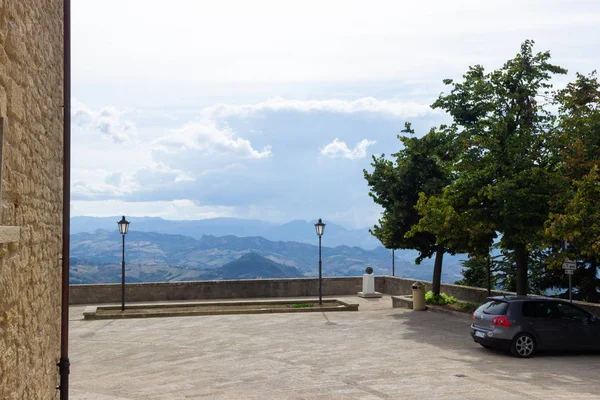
[152, 257]
[293, 231]
[254, 266]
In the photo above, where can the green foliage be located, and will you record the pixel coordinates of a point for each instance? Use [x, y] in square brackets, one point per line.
[475, 273]
[465, 306]
[421, 166]
[579, 221]
[507, 167]
[302, 305]
[439, 299]
[575, 212]
[502, 182]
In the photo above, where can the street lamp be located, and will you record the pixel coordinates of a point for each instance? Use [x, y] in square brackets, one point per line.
[123, 228]
[320, 227]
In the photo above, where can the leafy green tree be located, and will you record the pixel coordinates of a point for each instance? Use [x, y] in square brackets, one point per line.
[502, 167]
[576, 212]
[475, 273]
[579, 223]
[541, 278]
[420, 167]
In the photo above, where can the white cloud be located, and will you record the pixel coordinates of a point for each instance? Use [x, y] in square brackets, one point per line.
[109, 121]
[338, 148]
[180, 209]
[361, 105]
[100, 184]
[207, 138]
[345, 41]
[158, 175]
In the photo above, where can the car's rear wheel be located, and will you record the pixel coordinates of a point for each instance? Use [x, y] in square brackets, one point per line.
[523, 345]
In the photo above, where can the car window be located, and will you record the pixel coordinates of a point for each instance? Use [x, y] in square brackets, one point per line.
[529, 309]
[540, 309]
[567, 311]
[493, 307]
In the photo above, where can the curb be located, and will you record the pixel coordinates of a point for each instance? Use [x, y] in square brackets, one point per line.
[458, 314]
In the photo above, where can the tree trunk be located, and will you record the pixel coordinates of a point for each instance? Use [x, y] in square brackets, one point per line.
[522, 259]
[437, 270]
[588, 286]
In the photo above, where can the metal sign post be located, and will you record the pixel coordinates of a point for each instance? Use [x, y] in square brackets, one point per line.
[569, 267]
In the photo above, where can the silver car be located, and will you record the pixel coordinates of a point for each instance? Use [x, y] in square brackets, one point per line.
[525, 324]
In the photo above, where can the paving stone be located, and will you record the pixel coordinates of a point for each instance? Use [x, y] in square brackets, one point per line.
[376, 353]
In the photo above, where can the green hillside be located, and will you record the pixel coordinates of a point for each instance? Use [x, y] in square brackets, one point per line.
[252, 265]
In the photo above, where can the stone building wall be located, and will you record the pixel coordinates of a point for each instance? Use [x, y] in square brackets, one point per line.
[31, 90]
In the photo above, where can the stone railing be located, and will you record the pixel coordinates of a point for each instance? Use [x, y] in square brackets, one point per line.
[257, 288]
[199, 290]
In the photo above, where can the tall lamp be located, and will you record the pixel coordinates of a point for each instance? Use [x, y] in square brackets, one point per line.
[320, 228]
[123, 228]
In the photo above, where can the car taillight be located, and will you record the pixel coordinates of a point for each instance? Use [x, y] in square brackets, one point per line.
[501, 321]
[473, 316]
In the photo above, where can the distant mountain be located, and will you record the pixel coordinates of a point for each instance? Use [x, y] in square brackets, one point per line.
[293, 231]
[192, 228]
[254, 266]
[335, 235]
[151, 256]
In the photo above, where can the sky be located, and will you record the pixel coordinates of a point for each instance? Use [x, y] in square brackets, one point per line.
[271, 110]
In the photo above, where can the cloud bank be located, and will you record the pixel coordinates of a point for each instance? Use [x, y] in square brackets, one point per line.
[362, 105]
[109, 121]
[206, 138]
[338, 148]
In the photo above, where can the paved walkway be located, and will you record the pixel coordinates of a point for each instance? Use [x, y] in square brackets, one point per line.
[375, 353]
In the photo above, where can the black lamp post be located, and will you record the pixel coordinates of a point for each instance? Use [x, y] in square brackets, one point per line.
[123, 228]
[320, 227]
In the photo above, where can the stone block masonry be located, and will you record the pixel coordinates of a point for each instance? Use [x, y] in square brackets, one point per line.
[202, 290]
[31, 92]
[257, 288]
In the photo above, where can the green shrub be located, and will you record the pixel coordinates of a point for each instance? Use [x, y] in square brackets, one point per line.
[439, 299]
[467, 306]
[302, 305]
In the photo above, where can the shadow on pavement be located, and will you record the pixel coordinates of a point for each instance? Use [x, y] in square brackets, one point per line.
[577, 371]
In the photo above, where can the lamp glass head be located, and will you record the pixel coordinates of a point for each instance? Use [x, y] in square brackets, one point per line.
[320, 227]
[123, 226]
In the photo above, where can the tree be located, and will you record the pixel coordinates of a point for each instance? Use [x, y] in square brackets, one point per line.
[575, 214]
[420, 167]
[579, 223]
[502, 168]
[475, 273]
[541, 278]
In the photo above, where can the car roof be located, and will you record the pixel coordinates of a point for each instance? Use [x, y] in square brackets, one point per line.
[525, 298]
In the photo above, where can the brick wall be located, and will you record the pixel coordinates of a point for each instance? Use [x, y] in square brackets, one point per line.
[31, 52]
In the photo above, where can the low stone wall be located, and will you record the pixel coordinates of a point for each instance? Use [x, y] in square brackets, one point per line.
[256, 288]
[233, 289]
[403, 286]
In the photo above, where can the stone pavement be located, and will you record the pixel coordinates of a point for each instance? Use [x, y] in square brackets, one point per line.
[376, 353]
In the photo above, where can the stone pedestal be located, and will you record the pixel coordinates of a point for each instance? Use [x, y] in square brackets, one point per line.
[369, 287]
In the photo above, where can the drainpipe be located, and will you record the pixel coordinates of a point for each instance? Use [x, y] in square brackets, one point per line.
[64, 364]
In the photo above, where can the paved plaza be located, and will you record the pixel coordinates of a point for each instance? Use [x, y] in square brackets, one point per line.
[379, 352]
